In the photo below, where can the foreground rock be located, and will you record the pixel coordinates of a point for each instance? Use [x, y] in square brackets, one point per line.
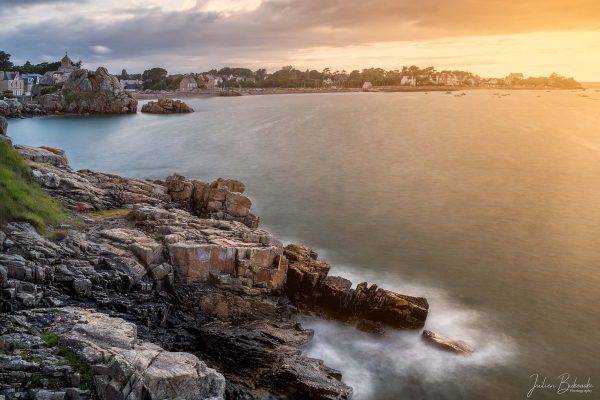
[91, 355]
[441, 342]
[166, 106]
[89, 92]
[184, 264]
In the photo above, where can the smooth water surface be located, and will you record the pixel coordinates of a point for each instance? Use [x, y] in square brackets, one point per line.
[487, 205]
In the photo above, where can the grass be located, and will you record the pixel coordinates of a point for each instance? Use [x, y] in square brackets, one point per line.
[49, 338]
[110, 214]
[21, 198]
[87, 375]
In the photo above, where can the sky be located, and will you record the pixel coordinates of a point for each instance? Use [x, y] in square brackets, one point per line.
[489, 37]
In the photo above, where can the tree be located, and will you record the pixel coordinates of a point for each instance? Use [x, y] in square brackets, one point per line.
[124, 74]
[5, 63]
[260, 74]
[154, 78]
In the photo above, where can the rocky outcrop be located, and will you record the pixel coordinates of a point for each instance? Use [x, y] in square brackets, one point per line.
[90, 92]
[4, 131]
[14, 108]
[77, 353]
[367, 307]
[441, 342]
[221, 199]
[44, 155]
[164, 261]
[3, 126]
[166, 106]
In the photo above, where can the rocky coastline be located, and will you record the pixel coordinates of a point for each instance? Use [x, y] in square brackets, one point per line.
[168, 289]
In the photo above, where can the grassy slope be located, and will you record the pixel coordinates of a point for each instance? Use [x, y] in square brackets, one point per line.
[22, 199]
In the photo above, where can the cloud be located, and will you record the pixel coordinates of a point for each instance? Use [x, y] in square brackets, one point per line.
[208, 33]
[98, 49]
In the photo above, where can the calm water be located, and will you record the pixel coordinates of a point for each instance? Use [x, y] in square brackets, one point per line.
[488, 206]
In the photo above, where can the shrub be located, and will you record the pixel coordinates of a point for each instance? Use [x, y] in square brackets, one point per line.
[22, 199]
[87, 375]
[48, 90]
[49, 338]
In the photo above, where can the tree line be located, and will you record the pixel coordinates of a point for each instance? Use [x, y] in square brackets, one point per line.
[28, 68]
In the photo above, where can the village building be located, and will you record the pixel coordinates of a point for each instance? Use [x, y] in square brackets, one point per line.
[131, 85]
[188, 83]
[514, 77]
[11, 82]
[29, 81]
[63, 73]
[408, 80]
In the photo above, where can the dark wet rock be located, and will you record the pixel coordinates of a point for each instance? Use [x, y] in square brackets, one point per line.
[310, 287]
[441, 342]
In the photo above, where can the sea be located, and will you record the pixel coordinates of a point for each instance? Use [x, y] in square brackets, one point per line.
[487, 204]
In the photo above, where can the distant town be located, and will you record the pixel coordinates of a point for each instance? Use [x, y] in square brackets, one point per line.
[44, 78]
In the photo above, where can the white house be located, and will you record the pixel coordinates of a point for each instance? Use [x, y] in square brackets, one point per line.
[513, 78]
[29, 80]
[11, 81]
[408, 81]
[188, 83]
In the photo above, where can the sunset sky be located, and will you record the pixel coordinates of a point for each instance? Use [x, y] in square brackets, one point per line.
[488, 37]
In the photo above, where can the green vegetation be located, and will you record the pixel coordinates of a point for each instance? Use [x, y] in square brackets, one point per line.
[49, 90]
[22, 199]
[49, 338]
[70, 97]
[87, 375]
[28, 67]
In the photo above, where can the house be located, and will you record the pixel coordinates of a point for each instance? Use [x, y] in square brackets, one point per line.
[11, 82]
[408, 80]
[212, 82]
[29, 81]
[446, 79]
[131, 85]
[327, 82]
[188, 83]
[513, 78]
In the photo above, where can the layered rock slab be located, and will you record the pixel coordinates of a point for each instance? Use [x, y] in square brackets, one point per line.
[309, 285]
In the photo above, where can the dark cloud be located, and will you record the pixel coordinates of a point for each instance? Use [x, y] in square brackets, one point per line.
[155, 35]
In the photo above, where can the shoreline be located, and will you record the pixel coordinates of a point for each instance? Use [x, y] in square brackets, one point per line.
[376, 89]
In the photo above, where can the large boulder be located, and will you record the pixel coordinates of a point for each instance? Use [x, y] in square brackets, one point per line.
[166, 106]
[47, 155]
[128, 368]
[221, 199]
[11, 108]
[90, 92]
